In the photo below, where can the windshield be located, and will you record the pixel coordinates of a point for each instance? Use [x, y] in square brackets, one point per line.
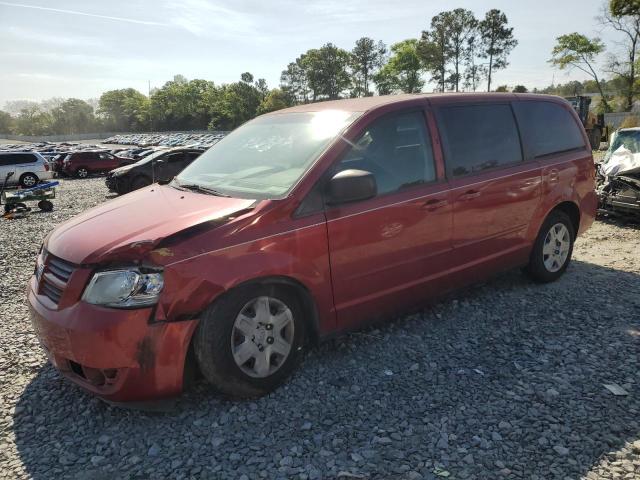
[150, 157]
[265, 157]
[629, 139]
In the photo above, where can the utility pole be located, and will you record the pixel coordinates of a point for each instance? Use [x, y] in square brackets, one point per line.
[150, 109]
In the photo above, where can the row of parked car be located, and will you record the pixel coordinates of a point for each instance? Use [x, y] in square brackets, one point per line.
[201, 140]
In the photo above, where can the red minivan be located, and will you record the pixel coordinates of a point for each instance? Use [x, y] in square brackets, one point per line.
[304, 223]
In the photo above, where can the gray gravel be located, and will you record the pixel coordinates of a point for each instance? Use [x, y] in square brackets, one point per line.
[503, 380]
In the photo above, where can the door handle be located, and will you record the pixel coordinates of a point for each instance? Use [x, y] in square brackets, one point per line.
[434, 204]
[469, 195]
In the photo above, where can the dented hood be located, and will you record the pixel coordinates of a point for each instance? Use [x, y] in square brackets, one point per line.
[134, 224]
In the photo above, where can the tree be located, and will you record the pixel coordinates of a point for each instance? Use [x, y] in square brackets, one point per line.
[233, 105]
[502, 89]
[577, 51]
[434, 50]
[326, 71]
[294, 82]
[33, 120]
[403, 70]
[366, 58]
[276, 99]
[624, 17]
[124, 110]
[621, 8]
[497, 41]
[183, 105]
[520, 89]
[6, 122]
[73, 116]
[461, 25]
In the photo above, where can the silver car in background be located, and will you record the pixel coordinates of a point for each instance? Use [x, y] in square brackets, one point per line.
[28, 168]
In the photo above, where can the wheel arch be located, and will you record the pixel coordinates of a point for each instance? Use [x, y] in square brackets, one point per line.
[572, 210]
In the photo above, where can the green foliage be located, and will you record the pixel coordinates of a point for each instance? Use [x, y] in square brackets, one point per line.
[234, 104]
[520, 89]
[575, 50]
[182, 105]
[621, 8]
[502, 89]
[326, 71]
[276, 99]
[33, 121]
[6, 122]
[73, 116]
[125, 110]
[294, 82]
[452, 39]
[366, 59]
[402, 73]
[496, 40]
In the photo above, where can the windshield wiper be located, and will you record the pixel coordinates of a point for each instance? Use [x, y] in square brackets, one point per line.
[199, 188]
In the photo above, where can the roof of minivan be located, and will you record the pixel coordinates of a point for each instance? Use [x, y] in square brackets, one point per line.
[369, 103]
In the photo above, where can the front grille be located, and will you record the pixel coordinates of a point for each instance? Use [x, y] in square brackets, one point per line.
[54, 277]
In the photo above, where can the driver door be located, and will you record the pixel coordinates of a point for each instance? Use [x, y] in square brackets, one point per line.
[389, 251]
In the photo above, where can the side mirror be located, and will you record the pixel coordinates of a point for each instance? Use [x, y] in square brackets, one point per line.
[350, 186]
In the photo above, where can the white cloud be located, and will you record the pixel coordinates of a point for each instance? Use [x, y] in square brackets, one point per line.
[206, 18]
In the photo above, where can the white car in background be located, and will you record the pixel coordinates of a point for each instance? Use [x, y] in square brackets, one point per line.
[28, 168]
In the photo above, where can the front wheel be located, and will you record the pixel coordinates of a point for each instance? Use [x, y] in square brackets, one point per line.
[82, 172]
[552, 249]
[250, 341]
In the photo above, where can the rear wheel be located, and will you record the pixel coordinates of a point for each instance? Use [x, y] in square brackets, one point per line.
[140, 182]
[28, 180]
[82, 172]
[552, 250]
[250, 341]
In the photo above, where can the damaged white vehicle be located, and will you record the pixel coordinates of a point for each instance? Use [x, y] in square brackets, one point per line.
[618, 182]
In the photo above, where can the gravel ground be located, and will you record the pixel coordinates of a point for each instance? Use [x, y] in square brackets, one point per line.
[502, 380]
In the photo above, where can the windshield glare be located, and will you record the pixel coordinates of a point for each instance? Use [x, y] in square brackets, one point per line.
[629, 139]
[265, 157]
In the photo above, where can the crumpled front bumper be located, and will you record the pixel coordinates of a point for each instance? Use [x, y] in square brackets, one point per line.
[119, 355]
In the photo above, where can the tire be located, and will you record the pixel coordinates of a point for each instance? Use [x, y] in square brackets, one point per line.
[82, 172]
[219, 334]
[45, 205]
[139, 182]
[548, 263]
[13, 206]
[28, 180]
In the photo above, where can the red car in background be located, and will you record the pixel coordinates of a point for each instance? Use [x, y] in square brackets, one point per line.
[83, 163]
[303, 223]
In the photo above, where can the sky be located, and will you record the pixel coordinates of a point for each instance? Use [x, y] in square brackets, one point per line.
[80, 48]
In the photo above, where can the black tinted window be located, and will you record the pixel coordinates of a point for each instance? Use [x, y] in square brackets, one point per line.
[17, 158]
[396, 149]
[479, 137]
[548, 128]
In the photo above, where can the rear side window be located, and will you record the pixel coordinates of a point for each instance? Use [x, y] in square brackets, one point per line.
[479, 137]
[396, 149]
[17, 158]
[548, 128]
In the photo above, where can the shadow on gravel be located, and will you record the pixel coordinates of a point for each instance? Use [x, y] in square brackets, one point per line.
[501, 380]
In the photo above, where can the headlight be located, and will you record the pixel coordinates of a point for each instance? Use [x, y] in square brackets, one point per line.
[124, 288]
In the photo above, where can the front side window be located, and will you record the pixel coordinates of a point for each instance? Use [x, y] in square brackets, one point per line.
[264, 158]
[479, 137]
[396, 149]
[548, 128]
